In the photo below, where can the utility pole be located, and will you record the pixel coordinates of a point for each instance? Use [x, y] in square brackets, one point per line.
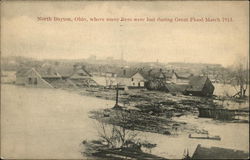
[116, 99]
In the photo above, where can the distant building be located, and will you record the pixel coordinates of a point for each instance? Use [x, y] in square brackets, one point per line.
[200, 86]
[202, 152]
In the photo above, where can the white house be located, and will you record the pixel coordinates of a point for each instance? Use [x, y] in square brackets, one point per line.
[131, 78]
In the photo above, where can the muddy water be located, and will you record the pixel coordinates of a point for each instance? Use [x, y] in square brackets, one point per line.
[233, 135]
[48, 123]
[45, 123]
[226, 89]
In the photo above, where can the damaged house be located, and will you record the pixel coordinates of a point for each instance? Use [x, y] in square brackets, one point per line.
[170, 81]
[165, 80]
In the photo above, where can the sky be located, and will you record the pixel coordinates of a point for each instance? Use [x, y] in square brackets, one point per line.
[199, 42]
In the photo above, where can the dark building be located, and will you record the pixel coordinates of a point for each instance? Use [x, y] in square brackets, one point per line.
[200, 86]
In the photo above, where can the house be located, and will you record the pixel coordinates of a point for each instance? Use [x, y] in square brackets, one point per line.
[200, 86]
[170, 76]
[202, 152]
[132, 78]
[138, 79]
[35, 77]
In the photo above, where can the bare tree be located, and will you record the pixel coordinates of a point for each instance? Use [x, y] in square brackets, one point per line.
[240, 79]
[117, 136]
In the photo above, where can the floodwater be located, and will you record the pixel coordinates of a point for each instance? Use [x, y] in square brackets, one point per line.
[50, 123]
[226, 89]
[45, 123]
[233, 136]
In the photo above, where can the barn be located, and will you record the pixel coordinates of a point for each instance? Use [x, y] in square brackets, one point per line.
[200, 86]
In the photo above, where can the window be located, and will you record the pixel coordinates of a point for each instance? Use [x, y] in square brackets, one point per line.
[139, 84]
[132, 79]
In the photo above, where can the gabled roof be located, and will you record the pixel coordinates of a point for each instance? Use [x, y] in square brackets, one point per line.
[22, 71]
[143, 74]
[43, 71]
[48, 72]
[196, 83]
[202, 152]
[126, 73]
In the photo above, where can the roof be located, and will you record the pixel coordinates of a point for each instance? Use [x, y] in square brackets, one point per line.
[68, 70]
[44, 71]
[202, 152]
[146, 73]
[22, 71]
[196, 83]
[65, 71]
[126, 72]
[48, 72]
[183, 75]
[156, 73]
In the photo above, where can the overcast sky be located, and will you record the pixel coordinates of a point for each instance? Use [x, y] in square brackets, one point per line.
[214, 42]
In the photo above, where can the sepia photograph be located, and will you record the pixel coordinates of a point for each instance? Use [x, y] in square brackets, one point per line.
[116, 80]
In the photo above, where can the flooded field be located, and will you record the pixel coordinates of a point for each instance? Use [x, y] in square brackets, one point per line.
[48, 123]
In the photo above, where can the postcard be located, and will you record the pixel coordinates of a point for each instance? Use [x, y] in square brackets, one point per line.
[124, 79]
